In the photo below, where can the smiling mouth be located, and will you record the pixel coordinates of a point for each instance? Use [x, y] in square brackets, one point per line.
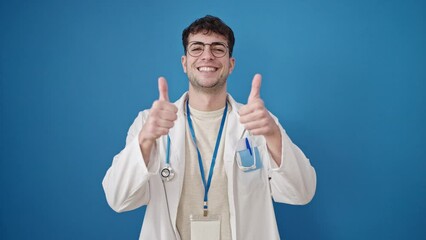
[207, 69]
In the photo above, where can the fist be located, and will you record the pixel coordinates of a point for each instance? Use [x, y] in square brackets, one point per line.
[161, 116]
[254, 116]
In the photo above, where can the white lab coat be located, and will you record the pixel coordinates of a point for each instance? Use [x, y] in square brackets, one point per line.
[129, 183]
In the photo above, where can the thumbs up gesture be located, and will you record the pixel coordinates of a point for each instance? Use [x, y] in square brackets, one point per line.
[254, 116]
[256, 119]
[160, 119]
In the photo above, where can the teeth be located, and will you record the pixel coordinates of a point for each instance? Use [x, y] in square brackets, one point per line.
[207, 69]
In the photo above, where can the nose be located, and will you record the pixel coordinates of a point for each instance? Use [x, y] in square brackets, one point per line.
[207, 53]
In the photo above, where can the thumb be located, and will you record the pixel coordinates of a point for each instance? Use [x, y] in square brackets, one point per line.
[255, 87]
[163, 89]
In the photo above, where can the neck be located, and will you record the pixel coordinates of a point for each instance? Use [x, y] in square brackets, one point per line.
[207, 101]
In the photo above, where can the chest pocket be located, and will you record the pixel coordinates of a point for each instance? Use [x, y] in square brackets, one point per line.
[249, 159]
[247, 154]
[249, 172]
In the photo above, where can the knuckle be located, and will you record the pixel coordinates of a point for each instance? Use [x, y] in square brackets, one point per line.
[154, 116]
[257, 105]
[175, 109]
[155, 104]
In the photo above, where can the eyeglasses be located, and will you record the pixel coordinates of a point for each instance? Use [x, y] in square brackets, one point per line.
[217, 49]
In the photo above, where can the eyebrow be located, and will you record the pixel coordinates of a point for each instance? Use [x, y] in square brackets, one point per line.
[198, 42]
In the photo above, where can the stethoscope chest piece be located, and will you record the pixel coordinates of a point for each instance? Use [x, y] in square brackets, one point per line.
[167, 173]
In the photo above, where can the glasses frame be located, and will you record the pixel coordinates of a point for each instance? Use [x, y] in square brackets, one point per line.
[204, 47]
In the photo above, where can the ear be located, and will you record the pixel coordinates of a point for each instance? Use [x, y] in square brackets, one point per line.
[183, 59]
[231, 64]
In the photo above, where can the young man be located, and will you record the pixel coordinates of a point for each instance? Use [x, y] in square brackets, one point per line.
[206, 166]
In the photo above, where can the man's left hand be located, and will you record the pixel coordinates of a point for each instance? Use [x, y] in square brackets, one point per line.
[254, 115]
[256, 119]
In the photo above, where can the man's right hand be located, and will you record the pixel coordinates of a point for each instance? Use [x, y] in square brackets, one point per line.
[160, 119]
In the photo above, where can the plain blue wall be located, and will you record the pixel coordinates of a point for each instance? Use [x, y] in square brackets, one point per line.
[346, 78]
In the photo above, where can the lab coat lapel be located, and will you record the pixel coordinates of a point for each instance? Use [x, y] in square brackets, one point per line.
[177, 161]
[234, 132]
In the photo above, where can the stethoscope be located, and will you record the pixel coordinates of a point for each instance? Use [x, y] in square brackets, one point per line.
[167, 173]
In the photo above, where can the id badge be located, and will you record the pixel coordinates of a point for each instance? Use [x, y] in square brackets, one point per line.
[205, 228]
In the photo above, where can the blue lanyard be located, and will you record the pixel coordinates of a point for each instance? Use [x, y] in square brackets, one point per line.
[200, 161]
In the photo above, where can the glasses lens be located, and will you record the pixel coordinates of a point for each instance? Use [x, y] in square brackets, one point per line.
[218, 49]
[196, 49]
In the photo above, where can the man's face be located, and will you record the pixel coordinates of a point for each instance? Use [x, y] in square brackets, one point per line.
[206, 72]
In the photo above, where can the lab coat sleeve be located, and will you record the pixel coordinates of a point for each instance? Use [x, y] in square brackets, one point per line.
[126, 181]
[294, 181]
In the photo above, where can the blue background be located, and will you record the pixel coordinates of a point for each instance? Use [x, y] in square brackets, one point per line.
[346, 78]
